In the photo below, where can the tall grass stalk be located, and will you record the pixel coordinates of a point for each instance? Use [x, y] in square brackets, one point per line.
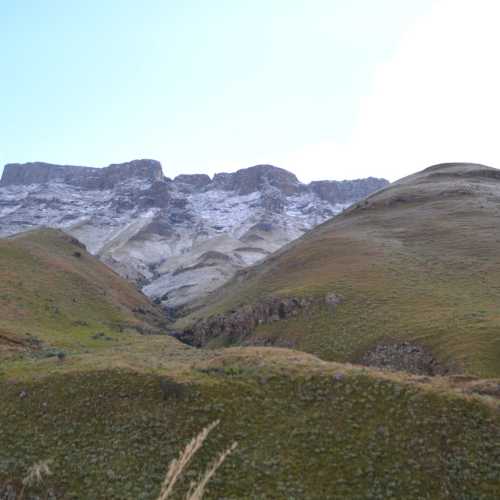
[178, 465]
[197, 490]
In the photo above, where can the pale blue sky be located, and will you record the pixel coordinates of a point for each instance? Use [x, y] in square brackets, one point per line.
[202, 86]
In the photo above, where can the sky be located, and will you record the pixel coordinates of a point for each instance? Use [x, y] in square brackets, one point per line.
[328, 89]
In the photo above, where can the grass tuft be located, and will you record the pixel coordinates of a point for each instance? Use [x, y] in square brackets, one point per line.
[36, 473]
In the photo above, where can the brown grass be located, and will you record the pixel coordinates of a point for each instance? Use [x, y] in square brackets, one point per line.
[178, 466]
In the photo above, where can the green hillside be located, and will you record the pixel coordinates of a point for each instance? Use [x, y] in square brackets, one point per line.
[306, 428]
[417, 261]
[54, 296]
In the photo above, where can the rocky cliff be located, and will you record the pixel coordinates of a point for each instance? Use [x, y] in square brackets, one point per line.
[346, 191]
[84, 177]
[178, 239]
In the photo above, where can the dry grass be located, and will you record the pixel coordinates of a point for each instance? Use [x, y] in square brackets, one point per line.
[179, 465]
[197, 490]
[36, 473]
[35, 477]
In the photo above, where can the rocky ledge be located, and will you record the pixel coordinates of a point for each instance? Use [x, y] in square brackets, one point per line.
[237, 326]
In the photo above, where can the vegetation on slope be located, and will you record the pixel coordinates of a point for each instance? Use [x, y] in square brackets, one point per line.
[305, 428]
[55, 296]
[417, 261]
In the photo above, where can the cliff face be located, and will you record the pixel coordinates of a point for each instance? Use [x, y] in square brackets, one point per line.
[244, 181]
[345, 191]
[84, 177]
[249, 180]
[177, 239]
[194, 180]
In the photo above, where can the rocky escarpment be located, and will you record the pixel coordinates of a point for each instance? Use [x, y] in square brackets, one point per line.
[157, 231]
[343, 191]
[237, 326]
[83, 177]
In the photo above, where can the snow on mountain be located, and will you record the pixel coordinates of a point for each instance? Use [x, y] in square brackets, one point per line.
[178, 239]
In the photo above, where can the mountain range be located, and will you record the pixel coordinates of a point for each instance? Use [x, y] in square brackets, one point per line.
[177, 239]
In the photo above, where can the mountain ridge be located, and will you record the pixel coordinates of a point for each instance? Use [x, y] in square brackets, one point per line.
[85, 177]
[155, 230]
[246, 180]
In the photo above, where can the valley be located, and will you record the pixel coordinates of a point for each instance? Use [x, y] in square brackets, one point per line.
[177, 239]
[360, 360]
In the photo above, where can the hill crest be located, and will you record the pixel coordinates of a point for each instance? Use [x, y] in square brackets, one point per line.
[414, 262]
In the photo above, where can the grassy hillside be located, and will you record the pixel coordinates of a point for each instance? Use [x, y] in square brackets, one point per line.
[416, 261]
[55, 296]
[306, 429]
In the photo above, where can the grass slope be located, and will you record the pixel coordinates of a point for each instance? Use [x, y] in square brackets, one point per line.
[416, 261]
[306, 429]
[56, 296]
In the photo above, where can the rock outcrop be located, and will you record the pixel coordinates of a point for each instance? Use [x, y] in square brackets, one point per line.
[237, 326]
[83, 177]
[257, 178]
[159, 231]
[195, 181]
[343, 191]
[405, 356]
